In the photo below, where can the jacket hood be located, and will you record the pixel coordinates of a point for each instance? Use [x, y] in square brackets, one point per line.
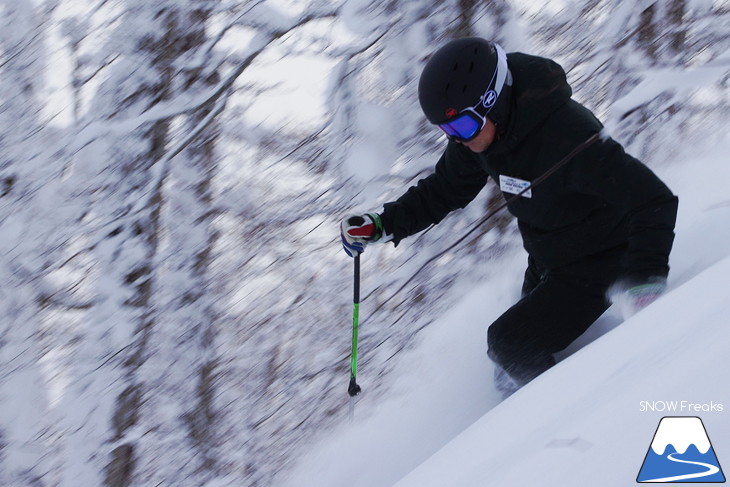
[539, 88]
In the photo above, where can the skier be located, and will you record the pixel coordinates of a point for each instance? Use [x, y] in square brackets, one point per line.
[602, 221]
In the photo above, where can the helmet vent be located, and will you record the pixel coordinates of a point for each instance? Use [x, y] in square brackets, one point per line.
[456, 66]
[471, 67]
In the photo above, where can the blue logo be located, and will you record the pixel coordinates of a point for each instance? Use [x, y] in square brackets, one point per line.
[681, 452]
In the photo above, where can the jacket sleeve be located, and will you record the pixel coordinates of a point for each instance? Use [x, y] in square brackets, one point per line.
[455, 182]
[608, 172]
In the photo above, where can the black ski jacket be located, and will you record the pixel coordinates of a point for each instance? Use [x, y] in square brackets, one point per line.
[603, 198]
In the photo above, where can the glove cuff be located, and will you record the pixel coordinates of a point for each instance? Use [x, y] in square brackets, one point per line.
[379, 234]
[648, 288]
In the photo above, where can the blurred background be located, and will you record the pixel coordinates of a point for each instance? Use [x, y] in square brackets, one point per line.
[175, 304]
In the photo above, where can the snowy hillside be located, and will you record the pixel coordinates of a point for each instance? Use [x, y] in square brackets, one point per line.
[585, 421]
[589, 420]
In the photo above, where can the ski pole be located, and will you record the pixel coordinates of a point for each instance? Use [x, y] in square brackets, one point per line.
[354, 389]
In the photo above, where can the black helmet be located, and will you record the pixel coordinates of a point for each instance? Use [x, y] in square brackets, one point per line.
[461, 74]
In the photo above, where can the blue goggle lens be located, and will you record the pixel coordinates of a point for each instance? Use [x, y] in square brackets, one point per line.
[463, 127]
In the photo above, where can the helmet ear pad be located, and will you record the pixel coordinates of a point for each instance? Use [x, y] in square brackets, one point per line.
[456, 77]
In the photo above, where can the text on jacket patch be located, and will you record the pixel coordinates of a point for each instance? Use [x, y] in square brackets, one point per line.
[514, 186]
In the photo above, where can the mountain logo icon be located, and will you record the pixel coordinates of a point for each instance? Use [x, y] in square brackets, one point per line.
[681, 452]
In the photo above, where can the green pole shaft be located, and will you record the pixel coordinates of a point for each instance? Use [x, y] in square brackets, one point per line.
[353, 388]
[353, 358]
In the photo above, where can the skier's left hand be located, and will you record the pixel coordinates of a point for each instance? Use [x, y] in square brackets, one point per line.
[633, 298]
[643, 295]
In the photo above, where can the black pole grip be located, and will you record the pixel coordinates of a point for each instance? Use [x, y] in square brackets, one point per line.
[356, 284]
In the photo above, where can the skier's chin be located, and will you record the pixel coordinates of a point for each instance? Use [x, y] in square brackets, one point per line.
[477, 149]
[478, 146]
[482, 141]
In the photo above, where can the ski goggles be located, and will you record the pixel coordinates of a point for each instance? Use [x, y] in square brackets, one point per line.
[465, 126]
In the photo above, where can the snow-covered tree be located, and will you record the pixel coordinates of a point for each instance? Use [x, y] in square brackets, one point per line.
[28, 181]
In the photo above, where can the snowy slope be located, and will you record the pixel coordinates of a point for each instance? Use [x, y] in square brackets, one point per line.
[582, 422]
[441, 388]
[586, 420]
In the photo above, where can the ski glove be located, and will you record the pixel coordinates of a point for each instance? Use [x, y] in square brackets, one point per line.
[643, 295]
[634, 298]
[357, 231]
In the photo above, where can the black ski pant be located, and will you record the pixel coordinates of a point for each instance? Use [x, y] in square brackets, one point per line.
[557, 306]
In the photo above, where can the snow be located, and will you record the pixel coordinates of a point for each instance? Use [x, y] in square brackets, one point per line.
[370, 155]
[649, 356]
[658, 81]
[300, 91]
[532, 8]
[584, 421]
[419, 414]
